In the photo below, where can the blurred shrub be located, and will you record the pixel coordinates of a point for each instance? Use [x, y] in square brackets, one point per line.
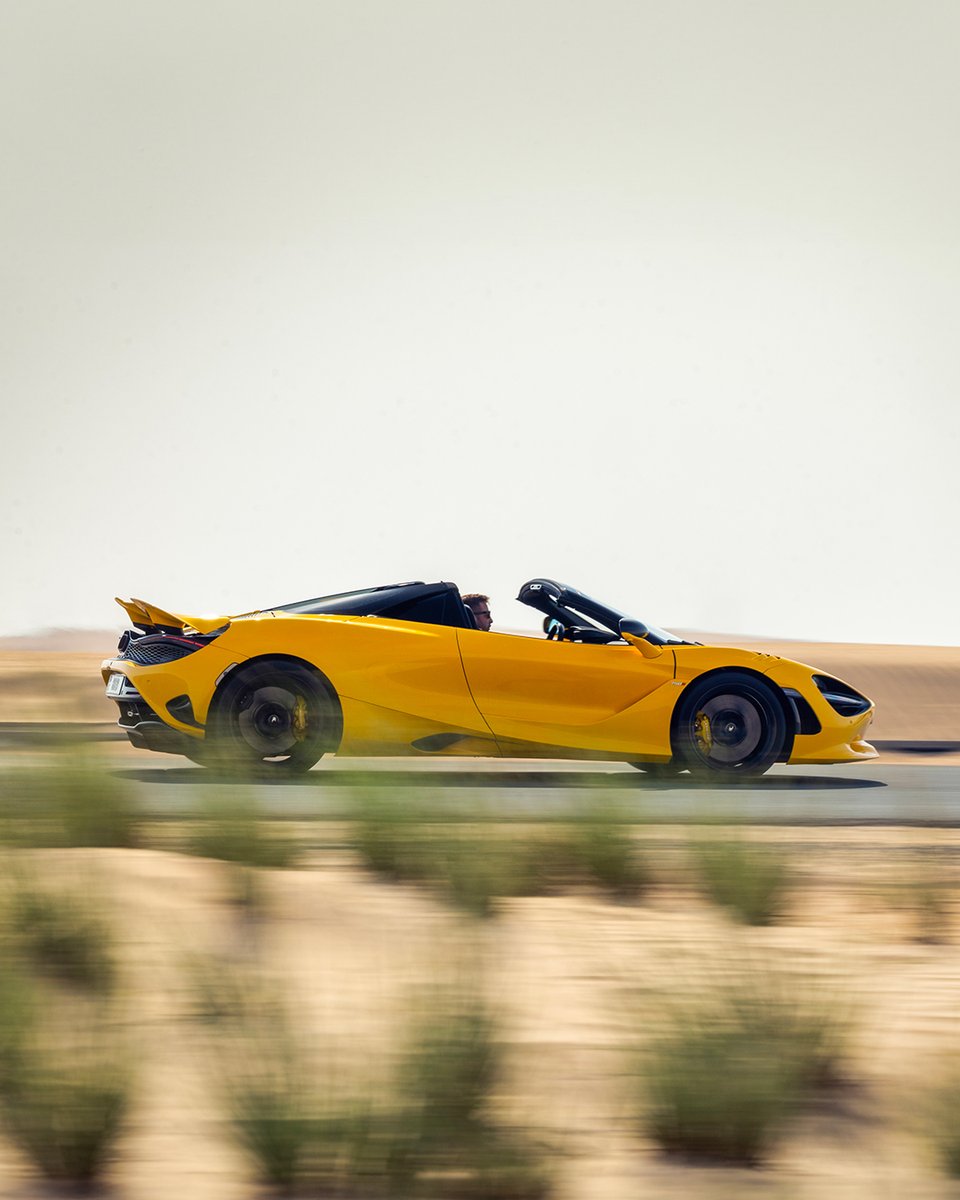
[308, 1131]
[65, 1074]
[596, 846]
[392, 834]
[286, 1124]
[926, 895]
[405, 841]
[749, 880]
[605, 847]
[301, 1131]
[450, 1067]
[475, 864]
[65, 1096]
[931, 904]
[944, 1125]
[61, 933]
[18, 1009]
[72, 800]
[447, 1145]
[735, 1062]
[221, 988]
[230, 826]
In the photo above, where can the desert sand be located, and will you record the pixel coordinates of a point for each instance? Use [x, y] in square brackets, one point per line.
[578, 984]
[916, 688]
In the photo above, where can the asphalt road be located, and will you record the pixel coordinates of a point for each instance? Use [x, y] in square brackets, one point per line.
[866, 794]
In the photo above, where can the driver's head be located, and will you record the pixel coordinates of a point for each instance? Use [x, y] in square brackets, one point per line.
[479, 605]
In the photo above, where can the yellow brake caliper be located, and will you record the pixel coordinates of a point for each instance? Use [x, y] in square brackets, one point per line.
[300, 719]
[703, 733]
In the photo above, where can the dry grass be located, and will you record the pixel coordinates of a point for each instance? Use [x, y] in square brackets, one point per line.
[344, 953]
[67, 800]
[736, 1060]
[307, 1129]
[943, 1124]
[60, 932]
[66, 1071]
[65, 1098]
[474, 865]
[750, 881]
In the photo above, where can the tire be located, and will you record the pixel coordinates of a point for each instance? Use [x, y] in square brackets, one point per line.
[730, 725]
[273, 717]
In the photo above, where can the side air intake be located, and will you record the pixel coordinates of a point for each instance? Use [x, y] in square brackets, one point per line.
[841, 697]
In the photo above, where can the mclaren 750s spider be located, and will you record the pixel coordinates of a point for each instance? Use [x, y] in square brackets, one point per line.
[402, 669]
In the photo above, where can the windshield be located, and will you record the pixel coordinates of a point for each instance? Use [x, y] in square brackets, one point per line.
[575, 608]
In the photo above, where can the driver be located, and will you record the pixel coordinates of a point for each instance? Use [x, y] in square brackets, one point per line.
[479, 605]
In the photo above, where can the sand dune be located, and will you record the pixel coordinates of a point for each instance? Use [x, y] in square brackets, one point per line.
[55, 676]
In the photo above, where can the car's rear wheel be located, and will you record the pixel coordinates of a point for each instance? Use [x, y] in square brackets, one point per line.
[272, 717]
[729, 725]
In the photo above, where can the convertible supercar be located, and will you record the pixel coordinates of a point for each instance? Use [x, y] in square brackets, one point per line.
[403, 670]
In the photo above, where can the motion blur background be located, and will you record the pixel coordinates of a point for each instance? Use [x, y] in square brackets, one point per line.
[655, 298]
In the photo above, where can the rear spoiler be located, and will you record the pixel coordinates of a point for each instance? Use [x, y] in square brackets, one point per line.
[152, 619]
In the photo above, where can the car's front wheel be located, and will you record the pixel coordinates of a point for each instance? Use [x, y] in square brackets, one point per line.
[272, 716]
[729, 725]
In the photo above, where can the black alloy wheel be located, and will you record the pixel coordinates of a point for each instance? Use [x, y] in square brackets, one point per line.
[273, 716]
[729, 725]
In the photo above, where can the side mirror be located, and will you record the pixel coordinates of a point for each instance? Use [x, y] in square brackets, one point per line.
[635, 632]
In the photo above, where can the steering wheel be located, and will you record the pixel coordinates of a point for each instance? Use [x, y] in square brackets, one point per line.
[554, 629]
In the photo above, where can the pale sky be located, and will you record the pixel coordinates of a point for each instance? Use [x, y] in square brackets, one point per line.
[658, 299]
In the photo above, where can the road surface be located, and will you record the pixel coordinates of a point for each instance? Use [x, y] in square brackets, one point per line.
[873, 793]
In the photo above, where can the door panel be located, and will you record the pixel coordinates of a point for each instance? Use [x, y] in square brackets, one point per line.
[403, 666]
[566, 684]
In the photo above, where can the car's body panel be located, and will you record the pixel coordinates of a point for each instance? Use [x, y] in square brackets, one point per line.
[640, 732]
[409, 676]
[372, 730]
[693, 661]
[141, 613]
[563, 683]
[401, 666]
[841, 739]
[405, 686]
[194, 676]
[567, 696]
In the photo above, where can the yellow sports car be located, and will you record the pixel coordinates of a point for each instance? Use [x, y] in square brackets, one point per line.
[403, 670]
